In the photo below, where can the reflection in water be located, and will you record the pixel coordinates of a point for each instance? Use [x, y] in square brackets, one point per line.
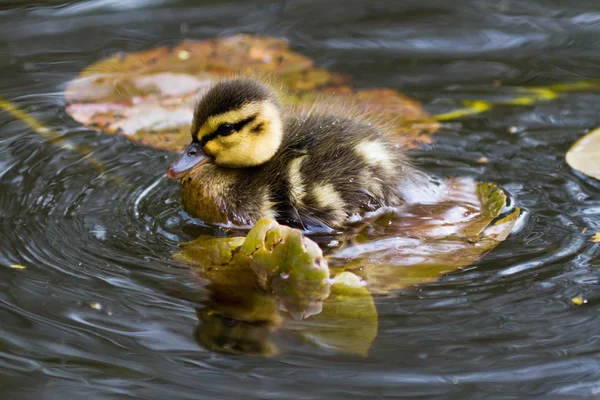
[504, 327]
[219, 333]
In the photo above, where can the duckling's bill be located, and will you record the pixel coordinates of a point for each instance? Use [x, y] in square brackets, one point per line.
[193, 157]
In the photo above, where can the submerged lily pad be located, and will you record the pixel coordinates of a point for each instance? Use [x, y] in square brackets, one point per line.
[273, 259]
[289, 265]
[584, 155]
[149, 96]
[455, 226]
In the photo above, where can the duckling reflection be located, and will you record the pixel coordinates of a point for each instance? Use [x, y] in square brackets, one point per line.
[219, 333]
[250, 159]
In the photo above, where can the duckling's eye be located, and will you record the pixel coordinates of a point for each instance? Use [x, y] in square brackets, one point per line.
[225, 129]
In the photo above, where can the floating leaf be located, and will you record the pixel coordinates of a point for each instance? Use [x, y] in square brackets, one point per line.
[421, 241]
[233, 286]
[596, 238]
[272, 259]
[584, 155]
[149, 96]
[288, 264]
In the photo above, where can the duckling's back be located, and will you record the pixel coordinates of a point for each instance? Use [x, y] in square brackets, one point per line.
[329, 168]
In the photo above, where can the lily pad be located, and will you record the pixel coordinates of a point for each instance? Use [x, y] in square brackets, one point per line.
[275, 267]
[460, 221]
[347, 324]
[584, 155]
[149, 96]
[289, 265]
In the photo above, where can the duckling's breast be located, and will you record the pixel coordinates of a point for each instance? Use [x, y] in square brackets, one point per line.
[226, 195]
[202, 191]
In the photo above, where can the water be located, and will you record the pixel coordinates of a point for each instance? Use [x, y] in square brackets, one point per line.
[101, 311]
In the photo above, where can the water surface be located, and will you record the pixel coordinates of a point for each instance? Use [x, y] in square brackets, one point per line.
[101, 311]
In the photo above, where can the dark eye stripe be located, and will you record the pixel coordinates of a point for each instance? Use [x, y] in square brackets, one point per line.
[258, 127]
[244, 122]
[237, 126]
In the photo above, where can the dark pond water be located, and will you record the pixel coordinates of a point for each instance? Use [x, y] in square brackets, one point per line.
[102, 312]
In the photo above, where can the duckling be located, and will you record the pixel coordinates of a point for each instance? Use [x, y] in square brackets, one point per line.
[250, 159]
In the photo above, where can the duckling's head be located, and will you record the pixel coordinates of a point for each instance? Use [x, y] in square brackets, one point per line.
[237, 124]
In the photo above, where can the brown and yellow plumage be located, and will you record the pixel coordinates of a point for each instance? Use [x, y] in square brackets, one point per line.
[307, 169]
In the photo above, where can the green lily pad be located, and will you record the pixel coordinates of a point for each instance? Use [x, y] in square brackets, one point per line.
[289, 265]
[233, 286]
[273, 267]
[584, 155]
[149, 96]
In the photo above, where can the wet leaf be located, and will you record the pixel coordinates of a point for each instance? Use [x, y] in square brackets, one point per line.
[233, 286]
[149, 96]
[596, 238]
[422, 241]
[272, 259]
[288, 264]
[584, 155]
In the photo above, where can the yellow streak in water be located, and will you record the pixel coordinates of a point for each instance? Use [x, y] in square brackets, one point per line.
[471, 108]
[531, 96]
[53, 137]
